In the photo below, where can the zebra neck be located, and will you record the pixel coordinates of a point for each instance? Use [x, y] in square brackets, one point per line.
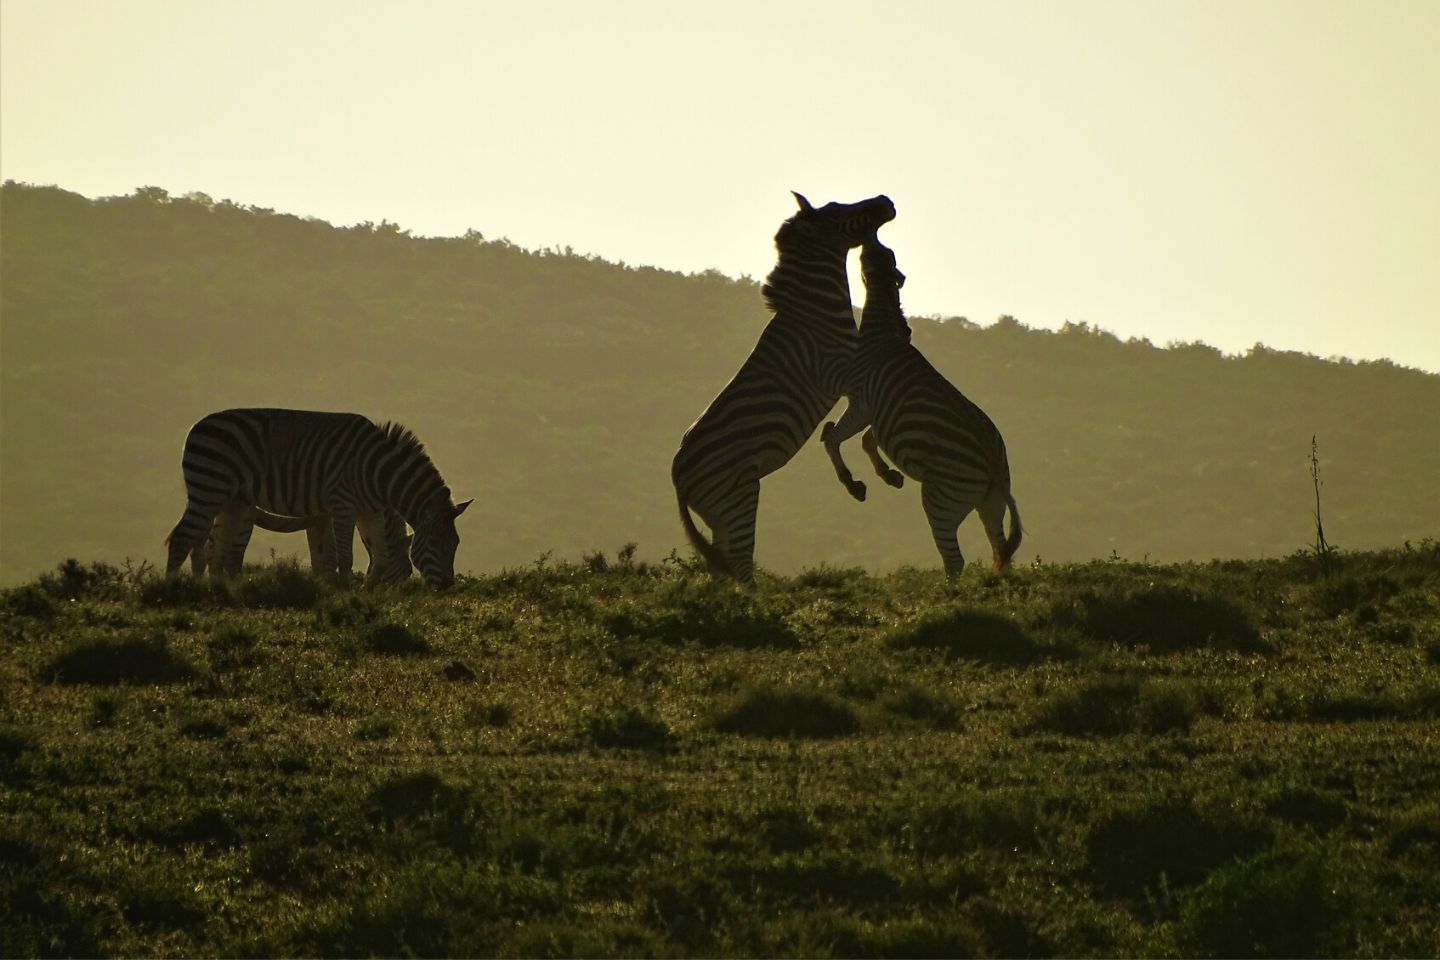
[412, 486]
[810, 285]
[885, 321]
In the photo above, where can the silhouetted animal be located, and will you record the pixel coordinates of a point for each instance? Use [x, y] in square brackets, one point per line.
[785, 387]
[932, 432]
[302, 463]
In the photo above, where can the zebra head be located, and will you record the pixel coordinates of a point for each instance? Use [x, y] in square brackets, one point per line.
[877, 266]
[836, 225]
[433, 548]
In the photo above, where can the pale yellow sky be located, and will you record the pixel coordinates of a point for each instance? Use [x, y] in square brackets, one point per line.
[1230, 172]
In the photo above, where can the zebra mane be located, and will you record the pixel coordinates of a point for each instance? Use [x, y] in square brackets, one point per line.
[404, 439]
[403, 436]
[768, 289]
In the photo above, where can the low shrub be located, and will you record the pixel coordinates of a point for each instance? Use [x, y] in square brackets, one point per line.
[629, 729]
[1113, 706]
[1277, 904]
[773, 712]
[1164, 618]
[146, 660]
[966, 634]
[1168, 842]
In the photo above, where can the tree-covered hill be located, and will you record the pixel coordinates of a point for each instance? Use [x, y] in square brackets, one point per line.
[554, 388]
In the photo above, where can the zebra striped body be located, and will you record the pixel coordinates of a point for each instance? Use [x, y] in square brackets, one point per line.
[383, 534]
[301, 463]
[932, 432]
[789, 382]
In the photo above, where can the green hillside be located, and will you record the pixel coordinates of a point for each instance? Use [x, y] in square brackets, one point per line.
[607, 758]
[554, 389]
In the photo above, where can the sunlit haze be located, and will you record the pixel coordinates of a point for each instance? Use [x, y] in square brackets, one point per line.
[1230, 172]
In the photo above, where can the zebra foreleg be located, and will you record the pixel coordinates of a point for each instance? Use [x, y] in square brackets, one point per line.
[945, 516]
[342, 532]
[883, 470]
[852, 421]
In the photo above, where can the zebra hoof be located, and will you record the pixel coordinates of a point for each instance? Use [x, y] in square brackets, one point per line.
[826, 430]
[857, 490]
[895, 478]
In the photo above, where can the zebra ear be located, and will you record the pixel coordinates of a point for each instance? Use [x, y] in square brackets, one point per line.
[460, 507]
[804, 204]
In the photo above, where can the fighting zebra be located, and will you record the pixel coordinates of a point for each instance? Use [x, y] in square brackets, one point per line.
[926, 426]
[789, 382]
[382, 534]
[301, 463]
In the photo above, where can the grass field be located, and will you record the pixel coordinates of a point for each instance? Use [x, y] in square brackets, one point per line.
[613, 758]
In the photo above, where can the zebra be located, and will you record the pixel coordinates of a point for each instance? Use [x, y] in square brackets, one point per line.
[928, 427]
[383, 535]
[785, 387]
[302, 463]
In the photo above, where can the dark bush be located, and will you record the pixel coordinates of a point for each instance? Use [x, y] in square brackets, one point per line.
[110, 662]
[965, 634]
[73, 580]
[935, 709]
[283, 585]
[770, 712]
[1133, 850]
[1113, 706]
[1166, 619]
[715, 620]
[1278, 904]
[395, 639]
[629, 729]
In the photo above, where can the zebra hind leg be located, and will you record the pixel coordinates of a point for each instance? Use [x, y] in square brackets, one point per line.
[188, 537]
[992, 515]
[732, 524]
[229, 538]
[945, 516]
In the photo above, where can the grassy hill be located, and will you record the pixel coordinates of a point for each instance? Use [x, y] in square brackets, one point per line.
[614, 758]
[554, 388]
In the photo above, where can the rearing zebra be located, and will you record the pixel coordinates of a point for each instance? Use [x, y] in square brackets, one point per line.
[383, 535]
[301, 463]
[785, 387]
[932, 432]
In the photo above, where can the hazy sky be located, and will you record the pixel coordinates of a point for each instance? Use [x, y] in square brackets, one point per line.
[1230, 172]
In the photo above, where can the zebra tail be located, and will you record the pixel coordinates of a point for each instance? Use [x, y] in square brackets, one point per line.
[1012, 542]
[714, 559]
[278, 524]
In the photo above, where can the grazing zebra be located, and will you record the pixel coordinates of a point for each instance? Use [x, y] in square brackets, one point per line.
[301, 463]
[932, 432]
[383, 535]
[785, 387]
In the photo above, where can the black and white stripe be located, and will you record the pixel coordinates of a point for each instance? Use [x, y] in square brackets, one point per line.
[930, 429]
[301, 463]
[785, 387]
